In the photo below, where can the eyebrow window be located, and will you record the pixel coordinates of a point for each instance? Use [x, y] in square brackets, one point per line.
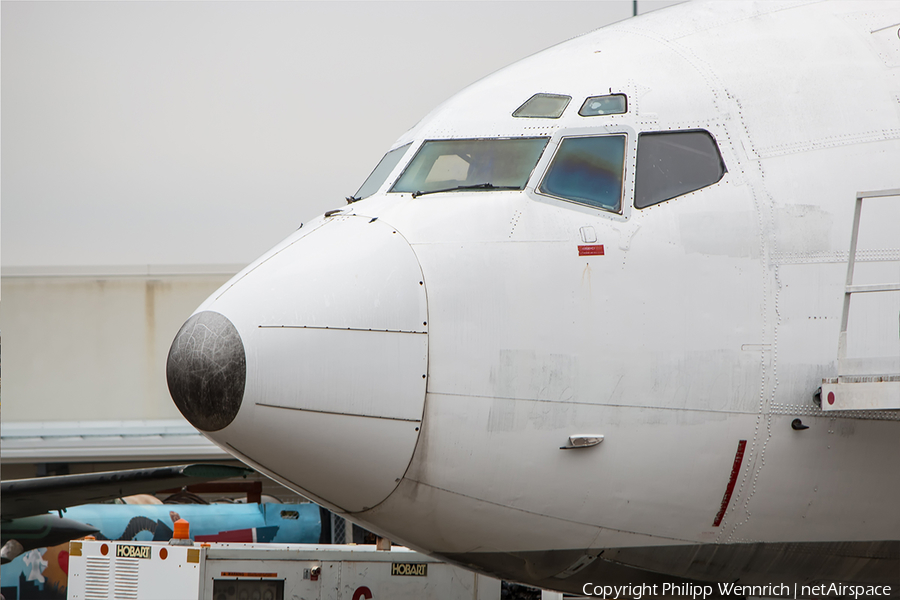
[674, 163]
[381, 172]
[471, 165]
[615, 104]
[588, 170]
[543, 106]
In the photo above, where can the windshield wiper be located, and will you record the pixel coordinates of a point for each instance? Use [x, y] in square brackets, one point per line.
[477, 186]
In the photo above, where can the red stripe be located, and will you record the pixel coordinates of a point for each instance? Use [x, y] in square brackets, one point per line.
[735, 469]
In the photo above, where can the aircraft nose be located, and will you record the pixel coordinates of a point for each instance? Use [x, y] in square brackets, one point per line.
[311, 365]
[206, 371]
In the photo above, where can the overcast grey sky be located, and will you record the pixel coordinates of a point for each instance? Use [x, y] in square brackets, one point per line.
[137, 133]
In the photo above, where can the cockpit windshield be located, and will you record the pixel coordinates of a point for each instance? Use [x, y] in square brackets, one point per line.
[473, 165]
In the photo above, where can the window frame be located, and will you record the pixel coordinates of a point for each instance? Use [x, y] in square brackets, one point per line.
[584, 104]
[408, 146]
[562, 110]
[417, 148]
[543, 166]
[715, 142]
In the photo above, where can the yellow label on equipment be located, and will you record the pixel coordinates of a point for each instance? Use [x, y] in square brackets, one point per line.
[410, 569]
[123, 551]
[74, 548]
[193, 555]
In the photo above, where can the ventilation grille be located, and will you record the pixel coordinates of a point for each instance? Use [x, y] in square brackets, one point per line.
[96, 573]
[127, 578]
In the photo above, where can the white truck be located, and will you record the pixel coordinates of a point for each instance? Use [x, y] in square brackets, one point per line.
[227, 571]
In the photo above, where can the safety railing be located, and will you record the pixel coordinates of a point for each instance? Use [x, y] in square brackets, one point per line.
[871, 383]
[850, 288]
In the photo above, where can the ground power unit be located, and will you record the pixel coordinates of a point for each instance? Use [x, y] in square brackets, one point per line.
[222, 571]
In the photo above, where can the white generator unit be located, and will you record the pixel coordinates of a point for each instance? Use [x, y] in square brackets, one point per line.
[219, 571]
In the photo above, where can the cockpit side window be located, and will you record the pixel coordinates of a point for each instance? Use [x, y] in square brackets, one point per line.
[588, 170]
[673, 163]
[613, 104]
[381, 172]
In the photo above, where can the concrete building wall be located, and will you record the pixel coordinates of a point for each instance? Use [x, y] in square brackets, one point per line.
[93, 346]
[84, 364]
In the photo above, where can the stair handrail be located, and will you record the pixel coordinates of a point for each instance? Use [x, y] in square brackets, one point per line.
[849, 288]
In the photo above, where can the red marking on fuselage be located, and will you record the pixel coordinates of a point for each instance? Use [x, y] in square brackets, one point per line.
[735, 469]
[591, 250]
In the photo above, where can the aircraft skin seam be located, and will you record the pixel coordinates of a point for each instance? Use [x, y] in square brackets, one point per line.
[502, 243]
[799, 410]
[701, 66]
[343, 414]
[324, 328]
[531, 512]
[760, 12]
[769, 380]
[758, 193]
[421, 428]
[839, 257]
[582, 403]
[729, 524]
[834, 141]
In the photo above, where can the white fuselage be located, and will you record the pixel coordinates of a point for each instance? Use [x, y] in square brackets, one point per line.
[417, 363]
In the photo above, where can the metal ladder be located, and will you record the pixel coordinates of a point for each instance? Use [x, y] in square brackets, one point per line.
[869, 383]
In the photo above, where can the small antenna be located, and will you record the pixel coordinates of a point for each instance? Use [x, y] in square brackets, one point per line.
[634, 8]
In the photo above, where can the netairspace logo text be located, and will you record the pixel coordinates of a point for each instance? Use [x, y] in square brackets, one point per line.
[701, 592]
